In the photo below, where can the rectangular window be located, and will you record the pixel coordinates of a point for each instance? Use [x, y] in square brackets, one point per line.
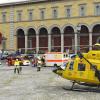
[68, 11]
[42, 13]
[71, 65]
[54, 12]
[19, 15]
[82, 10]
[97, 9]
[3, 17]
[81, 67]
[30, 14]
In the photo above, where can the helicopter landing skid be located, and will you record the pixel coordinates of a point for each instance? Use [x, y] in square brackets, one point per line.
[73, 83]
[85, 84]
[91, 85]
[83, 89]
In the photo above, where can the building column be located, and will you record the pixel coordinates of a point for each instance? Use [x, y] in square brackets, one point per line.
[62, 42]
[49, 42]
[37, 43]
[11, 38]
[26, 41]
[3, 43]
[90, 40]
[76, 43]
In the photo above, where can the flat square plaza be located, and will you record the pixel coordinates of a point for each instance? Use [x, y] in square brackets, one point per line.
[43, 85]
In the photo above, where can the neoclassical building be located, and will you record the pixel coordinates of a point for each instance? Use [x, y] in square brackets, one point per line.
[50, 25]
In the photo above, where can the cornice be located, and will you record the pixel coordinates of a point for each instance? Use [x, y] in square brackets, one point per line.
[30, 2]
[25, 2]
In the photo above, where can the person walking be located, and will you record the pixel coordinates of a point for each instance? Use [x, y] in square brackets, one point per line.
[17, 66]
[39, 64]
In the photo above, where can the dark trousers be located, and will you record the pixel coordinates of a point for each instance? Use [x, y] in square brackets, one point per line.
[17, 70]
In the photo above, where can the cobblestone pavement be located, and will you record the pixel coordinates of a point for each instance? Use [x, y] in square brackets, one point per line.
[43, 85]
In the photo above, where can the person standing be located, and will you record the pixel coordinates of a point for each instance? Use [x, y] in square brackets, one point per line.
[17, 66]
[39, 64]
[43, 61]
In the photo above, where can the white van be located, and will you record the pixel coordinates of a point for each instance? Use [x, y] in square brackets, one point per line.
[55, 58]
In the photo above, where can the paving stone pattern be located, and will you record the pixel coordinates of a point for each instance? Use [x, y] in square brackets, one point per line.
[43, 85]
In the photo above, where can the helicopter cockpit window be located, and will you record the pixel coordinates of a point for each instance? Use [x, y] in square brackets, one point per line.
[71, 65]
[81, 67]
[64, 65]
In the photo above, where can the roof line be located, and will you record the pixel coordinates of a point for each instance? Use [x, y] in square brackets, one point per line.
[26, 2]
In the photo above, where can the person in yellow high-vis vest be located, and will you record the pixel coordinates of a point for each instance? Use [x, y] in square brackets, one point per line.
[17, 66]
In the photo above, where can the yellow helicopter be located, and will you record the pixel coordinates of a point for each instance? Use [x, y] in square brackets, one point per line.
[83, 69]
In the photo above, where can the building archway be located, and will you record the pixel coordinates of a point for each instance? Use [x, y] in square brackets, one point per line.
[84, 38]
[20, 39]
[43, 39]
[31, 38]
[95, 33]
[68, 38]
[55, 39]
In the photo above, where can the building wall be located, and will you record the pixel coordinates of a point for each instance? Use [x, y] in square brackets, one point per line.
[61, 21]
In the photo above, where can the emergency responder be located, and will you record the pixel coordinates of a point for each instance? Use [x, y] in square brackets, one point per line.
[43, 61]
[17, 66]
[39, 64]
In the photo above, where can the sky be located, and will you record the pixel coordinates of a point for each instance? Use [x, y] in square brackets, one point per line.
[8, 1]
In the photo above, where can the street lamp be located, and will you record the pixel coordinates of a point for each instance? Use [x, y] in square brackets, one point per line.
[78, 36]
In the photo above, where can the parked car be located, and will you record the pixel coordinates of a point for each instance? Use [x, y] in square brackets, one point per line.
[26, 62]
[11, 61]
[4, 56]
[23, 62]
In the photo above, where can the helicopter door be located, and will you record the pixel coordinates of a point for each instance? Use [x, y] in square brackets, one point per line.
[70, 70]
